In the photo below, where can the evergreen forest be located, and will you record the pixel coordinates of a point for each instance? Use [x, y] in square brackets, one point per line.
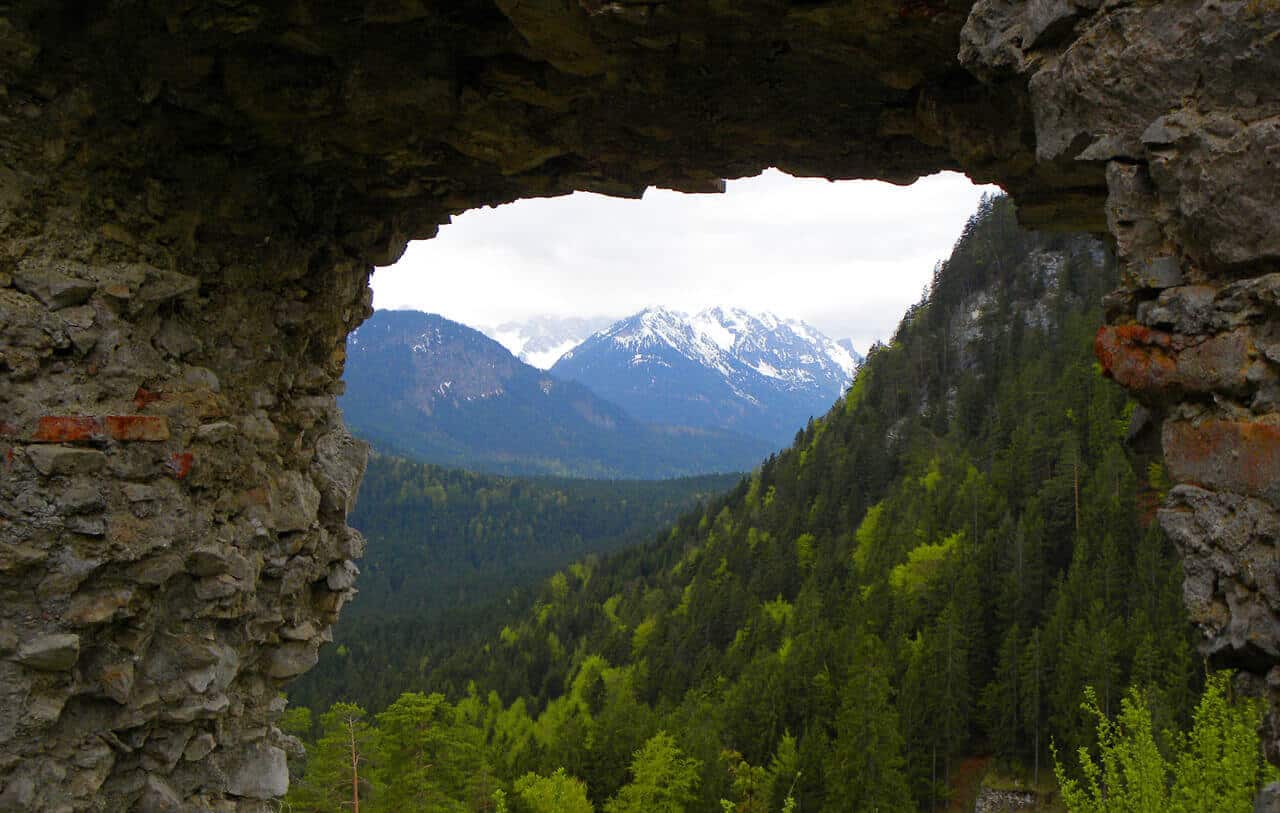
[449, 550]
[931, 575]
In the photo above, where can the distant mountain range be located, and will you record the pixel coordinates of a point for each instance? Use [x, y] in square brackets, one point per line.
[438, 390]
[755, 374]
[542, 340]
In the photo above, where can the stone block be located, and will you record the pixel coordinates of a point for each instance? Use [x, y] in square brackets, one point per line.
[1236, 456]
[67, 429]
[116, 681]
[55, 289]
[144, 397]
[137, 427]
[80, 498]
[164, 748]
[62, 460]
[292, 659]
[1152, 361]
[44, 708]
[1218, 364]
[1136, 356]
[342, 576]
[156, 570]
[216, 432]
[260, 772]
[1158, 273]
[18, 795]
[200, 746]
[158, 797]
[87, 609]
[294, 502]
[50, 653]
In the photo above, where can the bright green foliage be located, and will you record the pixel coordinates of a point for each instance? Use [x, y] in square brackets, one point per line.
[429, 760]
[939, 565]
[1129, 775]
[924, 564]
[557, 793]
[1218, 767]
[663, 779]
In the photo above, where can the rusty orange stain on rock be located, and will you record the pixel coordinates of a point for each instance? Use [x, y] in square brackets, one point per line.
[137, 427]
[1238, 456]
[67, 428]
[179, 464]
[1135, 356]
[144, 396]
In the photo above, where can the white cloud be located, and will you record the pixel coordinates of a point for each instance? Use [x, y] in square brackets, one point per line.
[848, 256]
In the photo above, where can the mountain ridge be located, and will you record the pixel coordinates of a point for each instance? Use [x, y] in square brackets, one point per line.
[442, 392]
[755, 373]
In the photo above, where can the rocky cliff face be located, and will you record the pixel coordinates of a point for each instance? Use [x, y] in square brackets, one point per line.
[191, 193]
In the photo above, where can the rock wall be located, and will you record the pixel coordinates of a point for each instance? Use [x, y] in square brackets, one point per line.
[175, 482]
[192, 193]
[1190, 147]
[1004, 801]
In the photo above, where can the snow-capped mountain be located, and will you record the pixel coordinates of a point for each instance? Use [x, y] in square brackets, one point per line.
[847, 344]
[542, 340]
[421, 384]
[722, 368]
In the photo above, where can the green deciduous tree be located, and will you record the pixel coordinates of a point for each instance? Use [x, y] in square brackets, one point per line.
[1218, 766]
[663, 779]
[557, 793]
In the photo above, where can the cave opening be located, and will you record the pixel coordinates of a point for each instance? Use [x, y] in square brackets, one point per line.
[192, 196]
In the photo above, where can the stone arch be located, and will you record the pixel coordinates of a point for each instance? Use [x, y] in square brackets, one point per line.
[192, 194]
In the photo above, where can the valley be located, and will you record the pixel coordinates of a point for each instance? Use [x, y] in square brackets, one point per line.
[925, 581]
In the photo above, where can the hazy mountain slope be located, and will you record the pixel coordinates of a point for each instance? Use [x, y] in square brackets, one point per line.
[541, 341]
[847, 344]
[443, 392]
[752, 373]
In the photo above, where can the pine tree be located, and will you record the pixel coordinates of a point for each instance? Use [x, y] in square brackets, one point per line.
[864, 770]
[340, 773]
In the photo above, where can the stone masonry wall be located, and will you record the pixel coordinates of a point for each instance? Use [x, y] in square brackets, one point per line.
[192, 193]
[174, 481]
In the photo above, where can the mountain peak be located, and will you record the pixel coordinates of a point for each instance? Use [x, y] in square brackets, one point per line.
[447, 393]
[722, 367]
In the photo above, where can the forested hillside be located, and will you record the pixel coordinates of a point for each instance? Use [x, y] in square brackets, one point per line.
[935, 570]
[445, 547]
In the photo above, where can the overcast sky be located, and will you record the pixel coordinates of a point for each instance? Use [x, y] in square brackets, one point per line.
[848, 257]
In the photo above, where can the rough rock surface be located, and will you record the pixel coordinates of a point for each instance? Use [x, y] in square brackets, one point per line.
[192, 192]
[1003, 801]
